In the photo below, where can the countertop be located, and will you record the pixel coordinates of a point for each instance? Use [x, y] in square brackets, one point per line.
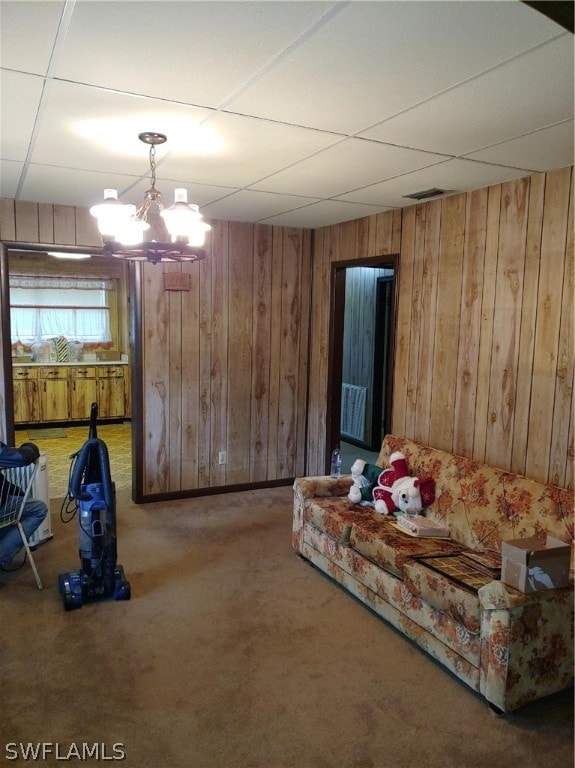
[75, 364]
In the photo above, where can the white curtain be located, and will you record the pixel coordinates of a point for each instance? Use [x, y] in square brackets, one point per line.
[43, 307]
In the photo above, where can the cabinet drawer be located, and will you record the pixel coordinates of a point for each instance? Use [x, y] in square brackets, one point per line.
[110, 372]
[82, 372]
[29, 374]
[53, 373]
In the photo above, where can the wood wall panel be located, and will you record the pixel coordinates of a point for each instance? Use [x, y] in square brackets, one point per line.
[528, 320]
[206, 333]
[404, 397]
[448, 322]
[486, 327]
[305, 299]
[46, 223]
[559, 469]
[261, 354]
[470, 322]
[317, 382]
[547, 331]
[484, 337]
[156, 370]
[428, 312]
[507, 322]
[218, 393]
[289, 354]
[240, 310]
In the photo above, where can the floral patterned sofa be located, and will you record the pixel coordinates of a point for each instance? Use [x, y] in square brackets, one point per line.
[510, 647]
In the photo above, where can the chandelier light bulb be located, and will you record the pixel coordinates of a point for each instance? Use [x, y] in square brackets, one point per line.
[181, 217]
[197, 234]
[131, 231]
[111, 214]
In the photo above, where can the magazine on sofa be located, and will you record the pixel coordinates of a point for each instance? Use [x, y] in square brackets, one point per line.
[421, 526]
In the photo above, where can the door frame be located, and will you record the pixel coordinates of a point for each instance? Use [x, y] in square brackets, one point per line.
[7, 426]
[335, 353]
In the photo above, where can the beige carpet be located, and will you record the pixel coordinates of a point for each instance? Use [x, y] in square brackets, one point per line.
[235, 653]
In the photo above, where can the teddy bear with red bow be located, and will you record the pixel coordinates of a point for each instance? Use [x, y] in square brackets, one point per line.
[390, 489]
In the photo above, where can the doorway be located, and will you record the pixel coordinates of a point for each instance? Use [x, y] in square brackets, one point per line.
[54, 414]
[362, 341]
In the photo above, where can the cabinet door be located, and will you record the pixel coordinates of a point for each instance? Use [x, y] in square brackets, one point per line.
[111, 398]
[54, 399]
[26, 402]
[83, 393]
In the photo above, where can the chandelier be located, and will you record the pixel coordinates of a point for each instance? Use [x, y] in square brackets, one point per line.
[152, 232]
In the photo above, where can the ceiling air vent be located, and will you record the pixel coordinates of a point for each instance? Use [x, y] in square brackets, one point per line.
[426, 193]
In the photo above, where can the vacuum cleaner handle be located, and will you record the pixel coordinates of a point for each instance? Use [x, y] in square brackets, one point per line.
[93, 432]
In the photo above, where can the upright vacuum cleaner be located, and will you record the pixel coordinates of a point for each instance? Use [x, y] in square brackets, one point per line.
[94, 493]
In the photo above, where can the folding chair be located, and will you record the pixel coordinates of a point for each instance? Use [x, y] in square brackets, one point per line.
[13, 481]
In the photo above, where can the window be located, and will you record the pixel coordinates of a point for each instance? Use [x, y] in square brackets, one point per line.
[43, 307]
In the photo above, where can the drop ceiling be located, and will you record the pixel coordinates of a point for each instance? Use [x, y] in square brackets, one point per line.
[290, 113]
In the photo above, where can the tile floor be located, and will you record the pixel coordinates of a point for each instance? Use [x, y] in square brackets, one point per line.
[117, 437]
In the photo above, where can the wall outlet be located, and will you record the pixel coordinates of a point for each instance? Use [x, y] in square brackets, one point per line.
[222, 457]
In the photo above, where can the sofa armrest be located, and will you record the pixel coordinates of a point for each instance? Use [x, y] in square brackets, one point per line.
[309, 488]
[496, 596]
[322, 486]
[526, 644]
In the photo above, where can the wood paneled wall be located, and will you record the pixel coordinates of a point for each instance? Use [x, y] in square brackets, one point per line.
[225, 364]
[484, 341]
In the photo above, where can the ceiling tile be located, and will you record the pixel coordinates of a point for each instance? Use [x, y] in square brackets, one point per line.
[65, 186]
[200, 194]
[347, 165]
[453, 175]
[193, 52]
[374, 59]
[9, 177]
[27, 33]
[498, 105]
[253, 206]
[19, 101]
[247, 149]
[85, 127]
[323, 214]
[542, 150]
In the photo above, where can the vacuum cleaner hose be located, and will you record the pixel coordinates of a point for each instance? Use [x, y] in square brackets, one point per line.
[83, 459]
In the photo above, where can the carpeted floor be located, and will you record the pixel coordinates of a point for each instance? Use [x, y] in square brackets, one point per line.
[236, 653]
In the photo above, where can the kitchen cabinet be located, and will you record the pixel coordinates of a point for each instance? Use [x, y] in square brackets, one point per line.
[82, 390]
[66, 393]
[26, 396]
[111, 392]
[54, 394]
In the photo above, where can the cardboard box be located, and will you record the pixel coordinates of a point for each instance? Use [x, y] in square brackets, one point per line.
[106, 356]
[529, 566]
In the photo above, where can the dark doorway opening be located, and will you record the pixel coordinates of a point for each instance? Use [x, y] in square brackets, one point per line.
[362, 341]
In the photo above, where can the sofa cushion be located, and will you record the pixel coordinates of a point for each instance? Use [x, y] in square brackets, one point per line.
[444, 594]
[335, 515]
[377, 539]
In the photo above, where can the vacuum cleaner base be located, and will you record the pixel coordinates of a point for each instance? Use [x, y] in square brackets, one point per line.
[77, 587]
